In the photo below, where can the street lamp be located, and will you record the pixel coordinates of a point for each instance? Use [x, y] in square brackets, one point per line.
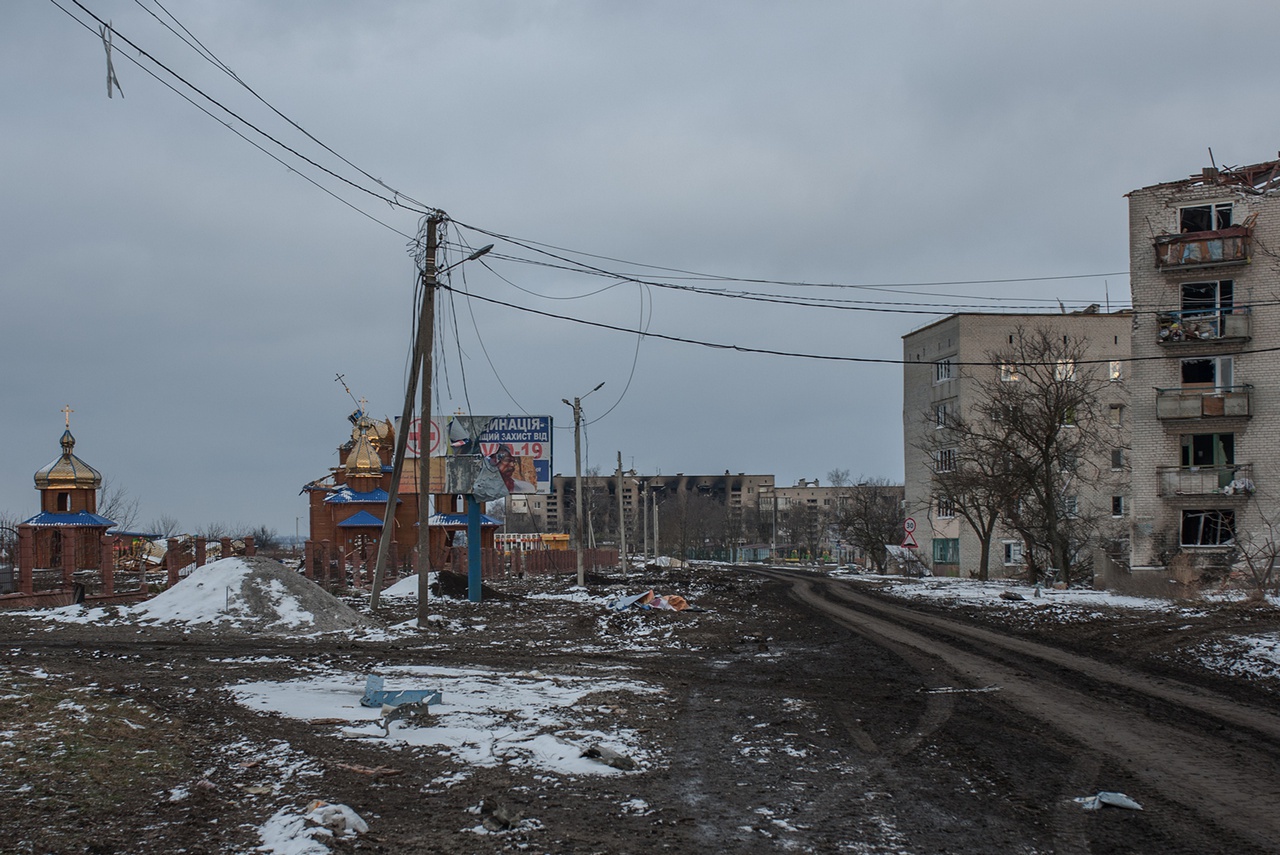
[577, 479]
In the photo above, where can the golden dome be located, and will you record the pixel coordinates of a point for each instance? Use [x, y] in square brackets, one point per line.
[363, 458]
[68, 470]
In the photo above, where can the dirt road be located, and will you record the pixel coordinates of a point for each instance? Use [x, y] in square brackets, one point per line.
[1210, 756]
[795, 714]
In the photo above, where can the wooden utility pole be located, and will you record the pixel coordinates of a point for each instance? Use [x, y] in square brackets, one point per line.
[426, 336]
[423, 345]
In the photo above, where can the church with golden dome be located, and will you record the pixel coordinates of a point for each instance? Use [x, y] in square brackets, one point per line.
[67, 536]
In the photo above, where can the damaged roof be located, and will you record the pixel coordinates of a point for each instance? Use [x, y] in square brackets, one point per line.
[1256, 178]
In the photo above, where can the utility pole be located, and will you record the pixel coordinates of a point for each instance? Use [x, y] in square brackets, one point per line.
[577, 482]
[622, 523]
[644, 510]
[655, 525]
[423, 346]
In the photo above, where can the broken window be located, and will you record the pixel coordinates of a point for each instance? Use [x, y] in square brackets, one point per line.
[1214, 372]
[946, 550]
[1208, 449]
[943, 413]
[942, 370]
[1114, 370]
[1012, 552]
[1117, 458]
[1204, 218]
[1208, 528]
[1117, 414]
[1117, 506]
[945, 508]
[945, 460]
[1065, 370]
[1208, 296]
[1009, 372]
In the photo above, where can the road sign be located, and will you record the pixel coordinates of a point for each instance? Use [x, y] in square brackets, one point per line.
[909, 541]
[909, 525]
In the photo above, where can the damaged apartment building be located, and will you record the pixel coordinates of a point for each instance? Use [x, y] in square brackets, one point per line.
[1204, 415]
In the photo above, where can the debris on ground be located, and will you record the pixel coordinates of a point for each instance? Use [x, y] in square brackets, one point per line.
[609, 757]
[377, 696]
[1097, 802]
[498, 815]
[648, 600]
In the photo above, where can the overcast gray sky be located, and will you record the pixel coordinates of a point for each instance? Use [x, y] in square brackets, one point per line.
[192, 298]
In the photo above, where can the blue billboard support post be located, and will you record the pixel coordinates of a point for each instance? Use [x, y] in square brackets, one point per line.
[473, 549]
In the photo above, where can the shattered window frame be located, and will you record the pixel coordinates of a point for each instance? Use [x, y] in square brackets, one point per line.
[1207, 527]
[1013, 553]
[942, 371]
[1205, 217]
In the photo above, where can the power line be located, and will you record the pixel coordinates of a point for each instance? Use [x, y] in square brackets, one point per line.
[799, 354]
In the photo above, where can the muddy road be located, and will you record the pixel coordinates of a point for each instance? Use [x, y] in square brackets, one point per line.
[797, 713]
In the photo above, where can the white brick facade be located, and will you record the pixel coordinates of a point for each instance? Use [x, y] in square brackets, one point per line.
[1204, 406]
[967, 341]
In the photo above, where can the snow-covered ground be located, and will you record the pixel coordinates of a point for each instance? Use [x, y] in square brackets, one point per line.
[1239, 655]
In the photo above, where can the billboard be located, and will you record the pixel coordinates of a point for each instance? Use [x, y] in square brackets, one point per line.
[517, 447]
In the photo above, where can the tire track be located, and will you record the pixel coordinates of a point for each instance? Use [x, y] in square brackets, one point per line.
[1209, 773]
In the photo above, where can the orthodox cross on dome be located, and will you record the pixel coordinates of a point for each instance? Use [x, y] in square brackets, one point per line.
[363, 404]
[66, 412]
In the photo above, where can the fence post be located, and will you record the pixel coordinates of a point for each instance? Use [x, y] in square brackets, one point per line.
[249, 549]
[202, 551]
[171, 561]
[26, 560]
[108, 565]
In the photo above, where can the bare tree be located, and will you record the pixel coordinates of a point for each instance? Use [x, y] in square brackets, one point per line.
[870, 518]
[804, 526]
[970, 480]
[115, 503]
[1256, 554]
[1028, 445]
[163, 526]
[839, 478]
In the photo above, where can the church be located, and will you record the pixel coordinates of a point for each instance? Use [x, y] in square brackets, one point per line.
[346, 509]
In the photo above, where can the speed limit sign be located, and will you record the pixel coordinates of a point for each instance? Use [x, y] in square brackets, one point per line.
[909, 525]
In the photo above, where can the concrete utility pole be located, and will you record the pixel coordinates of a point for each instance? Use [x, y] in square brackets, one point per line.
[622, 523]
[644, 511]
[577, 481]
[655, 525]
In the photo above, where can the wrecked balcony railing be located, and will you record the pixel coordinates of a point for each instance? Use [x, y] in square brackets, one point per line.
[1201, 480]
[1224, 401]
[1202, 325]
[1203, 249]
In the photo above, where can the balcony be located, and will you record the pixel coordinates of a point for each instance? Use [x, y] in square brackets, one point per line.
[1195, 403]
[1229, 480]
[1203, 249]
[1195, 325]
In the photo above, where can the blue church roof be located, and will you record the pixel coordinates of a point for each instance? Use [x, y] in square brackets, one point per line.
[344, 495]
[80, 518]
[364, 518]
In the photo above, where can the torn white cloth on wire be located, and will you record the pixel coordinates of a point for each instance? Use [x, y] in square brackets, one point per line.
[112, 80]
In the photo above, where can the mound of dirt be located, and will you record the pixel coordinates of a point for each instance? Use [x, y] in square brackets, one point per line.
[251, 595]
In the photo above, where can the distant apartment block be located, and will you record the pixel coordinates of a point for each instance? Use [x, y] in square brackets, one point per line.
[945, 363]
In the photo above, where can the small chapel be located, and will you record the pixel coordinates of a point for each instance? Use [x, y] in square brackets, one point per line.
[68, 535]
